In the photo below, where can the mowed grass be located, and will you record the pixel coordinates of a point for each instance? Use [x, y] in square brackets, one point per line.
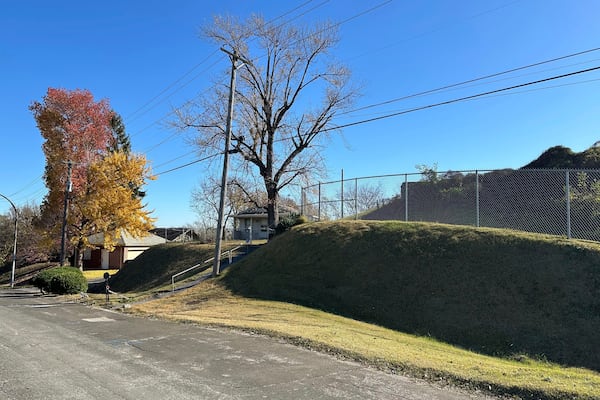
[505, 311]
[95, 274]
[211, 304]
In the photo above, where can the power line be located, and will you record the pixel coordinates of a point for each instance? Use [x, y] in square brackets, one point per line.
[465, 98]
[188, 164]
[176, 158]
[436, 29]
[461, 99]
[362, 13]
[130, 116]
[470, 81]
[137, 113]
[27, 186]
[426, 92]
[547, 87]
[297, 8]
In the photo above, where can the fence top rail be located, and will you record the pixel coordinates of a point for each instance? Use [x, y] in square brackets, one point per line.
[442, 173]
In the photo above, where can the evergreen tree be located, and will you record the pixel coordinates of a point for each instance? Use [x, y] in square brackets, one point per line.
[121, 138]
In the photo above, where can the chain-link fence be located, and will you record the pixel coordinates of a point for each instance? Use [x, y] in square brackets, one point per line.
[557, 202]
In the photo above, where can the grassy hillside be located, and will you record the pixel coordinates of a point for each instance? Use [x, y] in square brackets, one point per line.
[497, 292]
[155, 266]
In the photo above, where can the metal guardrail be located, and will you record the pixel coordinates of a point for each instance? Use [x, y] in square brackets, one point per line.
[229, 254]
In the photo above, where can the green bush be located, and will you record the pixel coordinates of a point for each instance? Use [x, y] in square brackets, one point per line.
[61, 280]
[288, 221]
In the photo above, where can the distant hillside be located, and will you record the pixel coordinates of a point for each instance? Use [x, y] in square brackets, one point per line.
[560, 157]
[498, 292]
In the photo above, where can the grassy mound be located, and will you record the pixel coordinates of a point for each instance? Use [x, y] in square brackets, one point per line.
[494, 291]
[155, 266]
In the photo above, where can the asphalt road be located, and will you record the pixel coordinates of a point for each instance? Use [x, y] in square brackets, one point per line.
[55, 350]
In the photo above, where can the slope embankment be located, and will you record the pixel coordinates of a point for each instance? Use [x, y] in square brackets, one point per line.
[495, 291]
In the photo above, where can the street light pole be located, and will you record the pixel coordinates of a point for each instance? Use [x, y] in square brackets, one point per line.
[217, 259]
[14, 257]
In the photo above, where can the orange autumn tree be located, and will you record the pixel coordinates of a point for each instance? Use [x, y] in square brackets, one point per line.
[77, 129]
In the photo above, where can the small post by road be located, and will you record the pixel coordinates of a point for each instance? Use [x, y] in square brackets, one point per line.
[107, 287]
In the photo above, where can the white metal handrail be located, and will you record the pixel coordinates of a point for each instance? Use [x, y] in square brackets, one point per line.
[229, 254]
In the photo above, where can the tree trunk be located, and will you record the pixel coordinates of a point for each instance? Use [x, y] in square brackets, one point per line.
[78, 256]
[272, 207]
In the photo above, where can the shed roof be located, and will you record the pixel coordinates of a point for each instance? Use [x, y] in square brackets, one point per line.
[127, 240]
[255, 212]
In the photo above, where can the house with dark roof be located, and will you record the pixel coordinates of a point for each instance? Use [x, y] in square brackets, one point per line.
[127, 248]
[252, 223]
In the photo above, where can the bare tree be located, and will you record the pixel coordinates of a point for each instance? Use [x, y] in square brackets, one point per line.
[363, 197]
[240, 195]
[285, 100]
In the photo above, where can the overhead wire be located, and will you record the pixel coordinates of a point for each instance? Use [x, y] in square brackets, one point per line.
[418, 94]
[546, 88]
[175, 159]
[137, 113]
[407, 111]
[462, 99]
[27, 186]
[360, 14]
[175, 110]
[446, 87]
[194, 77]
[188, 164]
[436, 29]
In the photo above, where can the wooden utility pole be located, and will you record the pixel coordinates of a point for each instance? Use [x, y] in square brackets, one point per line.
[219, 235]
[63, 231]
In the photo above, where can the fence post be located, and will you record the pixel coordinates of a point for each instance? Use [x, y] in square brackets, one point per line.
[568, 203]
[355, 198]
[342, 194]
[302, 201]
[406, 197]
[477, 198]
[319, 211]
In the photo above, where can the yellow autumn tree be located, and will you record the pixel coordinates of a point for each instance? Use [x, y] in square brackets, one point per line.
[112, 202]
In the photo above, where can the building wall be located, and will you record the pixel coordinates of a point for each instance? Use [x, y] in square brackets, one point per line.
[259, 228]
[133, 252]
[116, 258]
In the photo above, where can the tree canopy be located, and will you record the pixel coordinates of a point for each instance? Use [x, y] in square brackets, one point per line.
[560, 157]
[76, 128]
[106, 178]
[285, 100]
[111, 205]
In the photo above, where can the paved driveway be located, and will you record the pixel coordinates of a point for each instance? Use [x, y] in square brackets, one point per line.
[55, 350]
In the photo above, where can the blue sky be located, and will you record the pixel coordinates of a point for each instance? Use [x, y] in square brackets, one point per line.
[147, 58]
